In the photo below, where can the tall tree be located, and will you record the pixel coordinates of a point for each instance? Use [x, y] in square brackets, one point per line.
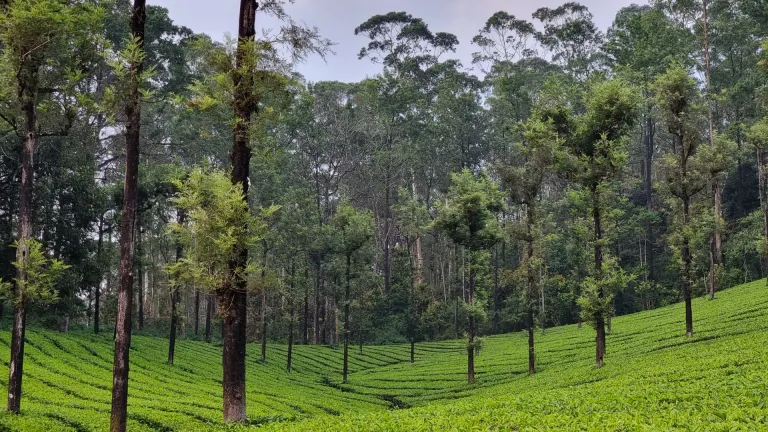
[538, 149]
[469, 218]
[41, 40]
[676, 96]
[119, 417]
[597, 145]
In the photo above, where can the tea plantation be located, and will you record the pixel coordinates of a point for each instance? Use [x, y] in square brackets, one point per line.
[655, 379]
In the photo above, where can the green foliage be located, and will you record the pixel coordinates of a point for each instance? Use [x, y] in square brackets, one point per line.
[218, 224]
[41, 274]
[597, 294]
[469, 215]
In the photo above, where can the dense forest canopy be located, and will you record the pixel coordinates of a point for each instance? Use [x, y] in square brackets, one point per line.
[159, 181]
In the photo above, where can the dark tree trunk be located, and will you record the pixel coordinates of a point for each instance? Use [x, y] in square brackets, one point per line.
[208, 317]
[346, 319]
[762, 169]
[600, 318]
[387, 240]
[197, 311]
[495, 290]
[716, 247]
[290, 322]
[318, 289]
[413, 351]
[649, 150]
[687, 259]
[127, 230]
[232, 296]
[531, 289]
[175, 297]
[305, 317]
[471, 344]
[264, 307]
[139, 265]
[290, 339]
[97, 290]
[28, 83]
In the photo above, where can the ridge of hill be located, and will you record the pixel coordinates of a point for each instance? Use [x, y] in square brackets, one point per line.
[655, 379]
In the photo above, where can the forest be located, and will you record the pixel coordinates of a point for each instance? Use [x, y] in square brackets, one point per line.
[196, 192]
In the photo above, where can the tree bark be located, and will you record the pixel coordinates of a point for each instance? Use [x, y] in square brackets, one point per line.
[687, 259]
[346, 320]
[318, 289]
[197, 311]
[600, 318]
[471, 344]
[649, 150]
[140, 267]
[305, 317]
[264, 306]
[175, 297]
[208, 317]
[762, 169]
[97, 290]
[290, 322]
[232, 296]
[28, 81]
[531, 288]
[119, 413]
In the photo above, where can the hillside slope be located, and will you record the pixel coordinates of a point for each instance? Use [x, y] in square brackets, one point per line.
[654, 379]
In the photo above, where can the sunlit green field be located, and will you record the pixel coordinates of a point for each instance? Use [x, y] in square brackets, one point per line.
[655, 379]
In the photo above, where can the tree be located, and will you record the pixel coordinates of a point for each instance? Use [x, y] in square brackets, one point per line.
[676, 96]
[523, 183]
[469, 218]
[134, 77]
[219, 225]
[41, 40]
[352, 230]
[596, 143]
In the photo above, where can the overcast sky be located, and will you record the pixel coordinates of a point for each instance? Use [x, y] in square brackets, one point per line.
[337, 20]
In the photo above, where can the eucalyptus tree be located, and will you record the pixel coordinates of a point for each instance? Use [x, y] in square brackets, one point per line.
[407, 50]
[469, 218]
[571, 37]
[42, 41]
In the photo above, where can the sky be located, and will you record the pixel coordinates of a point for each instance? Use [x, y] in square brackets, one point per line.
[337, 20]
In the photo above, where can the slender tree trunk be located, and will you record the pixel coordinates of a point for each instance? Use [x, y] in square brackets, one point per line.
[139, 265]
[318, 289]
[264, 307]
[119, 413]
[346, 319]
[175, 297]
[197, 311]
[97, 291]
[208, 317]
[716, 252]
[531, 288]
[495, 290]
[762, 169]
[649, 150]
[305, 317]
[290, 322]
[233, 297]
[387, 239]
[687, 259]
[471, 344]
[600, 318]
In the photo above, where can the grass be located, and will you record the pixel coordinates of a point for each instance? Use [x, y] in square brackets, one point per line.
[655, 379]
